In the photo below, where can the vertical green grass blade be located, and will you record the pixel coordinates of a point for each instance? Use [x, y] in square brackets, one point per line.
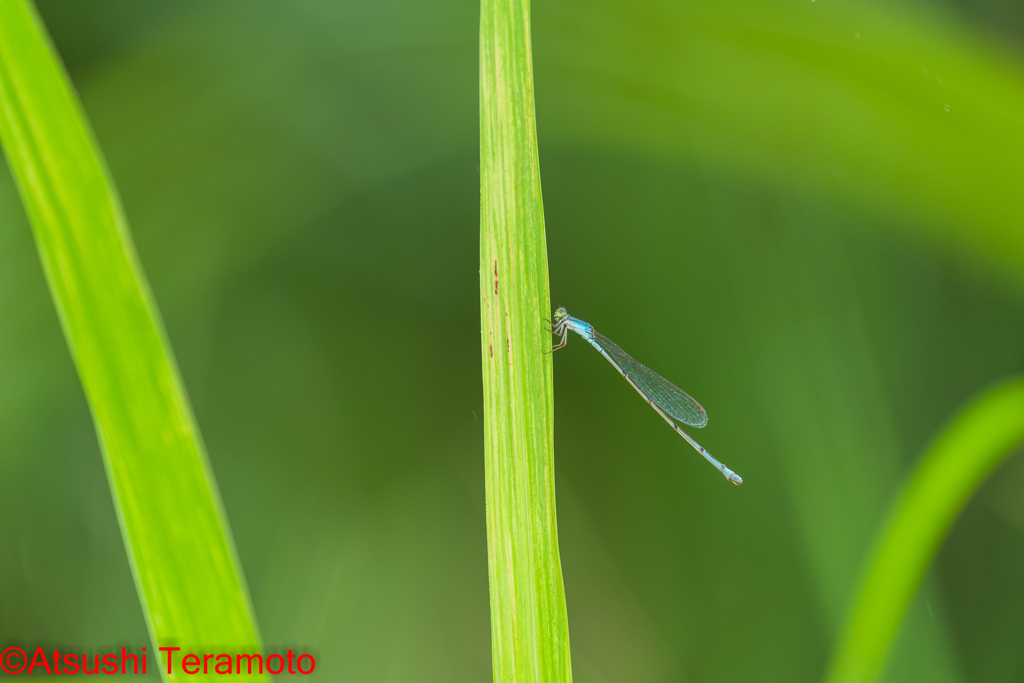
[529, 629]
[179, 546]
[970, 448]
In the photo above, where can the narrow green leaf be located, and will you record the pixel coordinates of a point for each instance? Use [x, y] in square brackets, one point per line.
[529, 628]
[966, 452]
[179, 546]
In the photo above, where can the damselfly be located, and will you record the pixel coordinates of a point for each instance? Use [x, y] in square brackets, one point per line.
[668, 400]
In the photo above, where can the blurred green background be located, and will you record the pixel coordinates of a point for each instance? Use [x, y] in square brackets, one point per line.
[807, 214]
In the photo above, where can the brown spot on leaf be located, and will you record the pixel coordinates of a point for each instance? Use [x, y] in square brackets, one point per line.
[495, 277]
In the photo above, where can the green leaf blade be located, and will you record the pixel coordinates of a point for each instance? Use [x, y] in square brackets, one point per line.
[974, 443]
[529, 627]
[175, 531]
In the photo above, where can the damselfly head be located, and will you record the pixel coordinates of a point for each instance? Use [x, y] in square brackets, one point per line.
[560, 314]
